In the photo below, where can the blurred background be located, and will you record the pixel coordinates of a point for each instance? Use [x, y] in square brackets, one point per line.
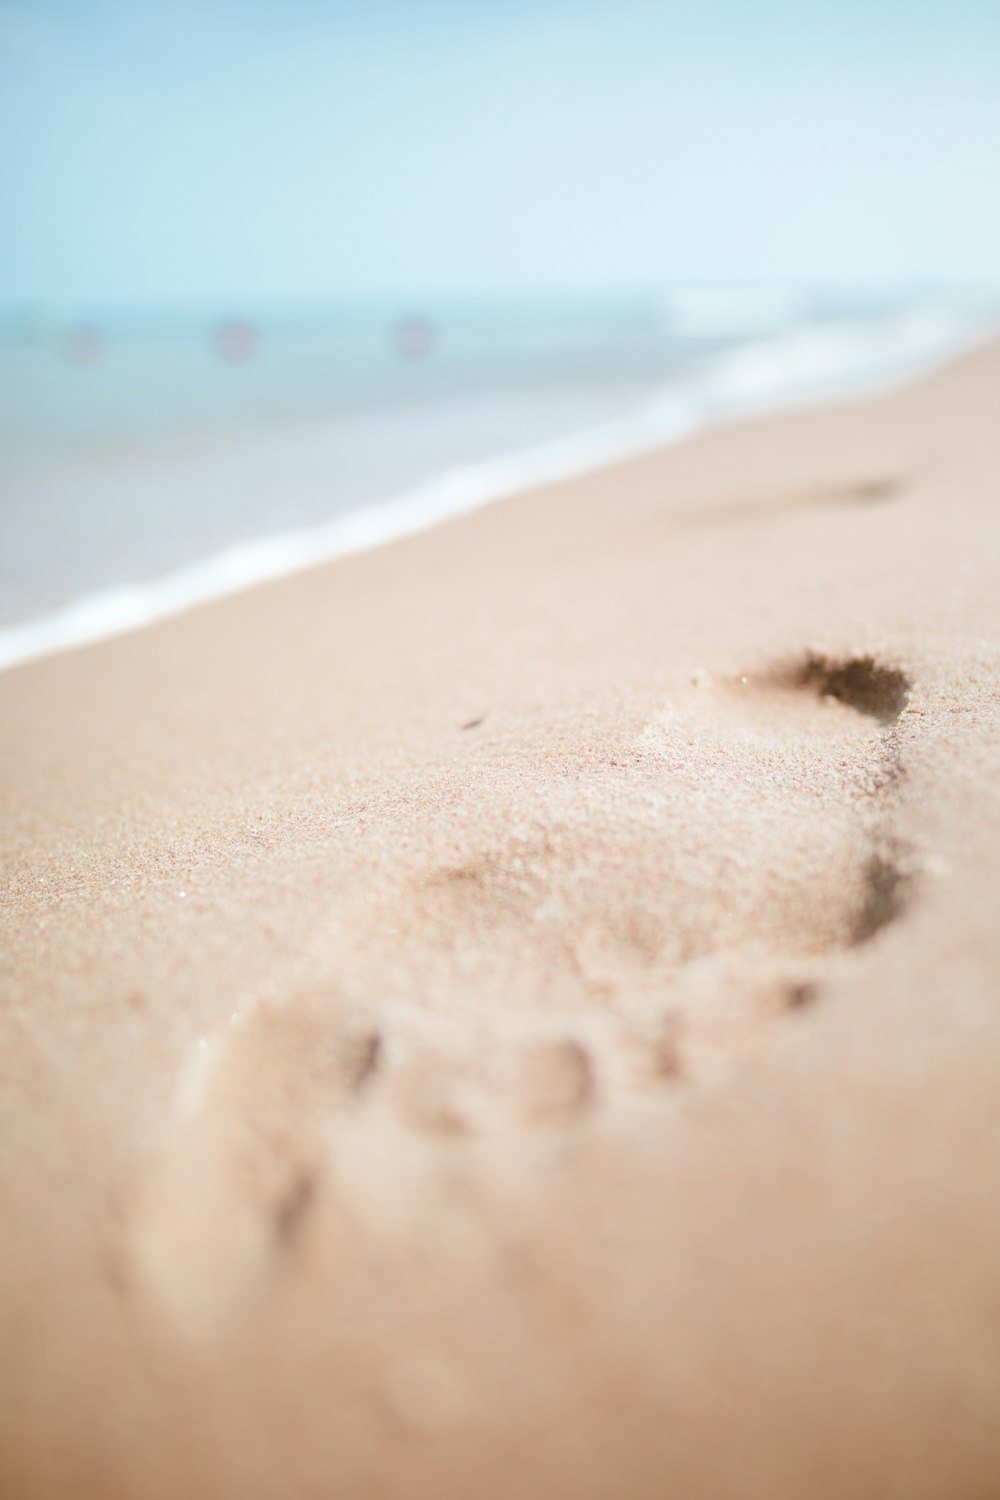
[264, 262]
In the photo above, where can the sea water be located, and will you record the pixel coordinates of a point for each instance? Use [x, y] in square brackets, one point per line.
[154, 458]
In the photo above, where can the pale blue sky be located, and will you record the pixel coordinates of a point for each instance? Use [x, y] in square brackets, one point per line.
[245, 148]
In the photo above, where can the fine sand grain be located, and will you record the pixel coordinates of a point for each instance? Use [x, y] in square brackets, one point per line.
[518, 1012]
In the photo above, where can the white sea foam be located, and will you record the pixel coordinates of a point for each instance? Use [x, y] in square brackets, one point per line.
[809, 364]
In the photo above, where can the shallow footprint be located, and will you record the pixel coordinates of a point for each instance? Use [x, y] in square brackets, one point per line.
[608, 927]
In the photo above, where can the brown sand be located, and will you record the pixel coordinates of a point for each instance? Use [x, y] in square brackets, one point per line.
[518, 1012]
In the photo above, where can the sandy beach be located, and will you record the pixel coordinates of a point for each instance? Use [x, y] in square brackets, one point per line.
[517, 1012]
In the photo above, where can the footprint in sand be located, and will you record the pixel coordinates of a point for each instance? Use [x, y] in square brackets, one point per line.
[630, 918]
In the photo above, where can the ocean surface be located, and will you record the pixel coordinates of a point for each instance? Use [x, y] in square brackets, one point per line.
[155, 458]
